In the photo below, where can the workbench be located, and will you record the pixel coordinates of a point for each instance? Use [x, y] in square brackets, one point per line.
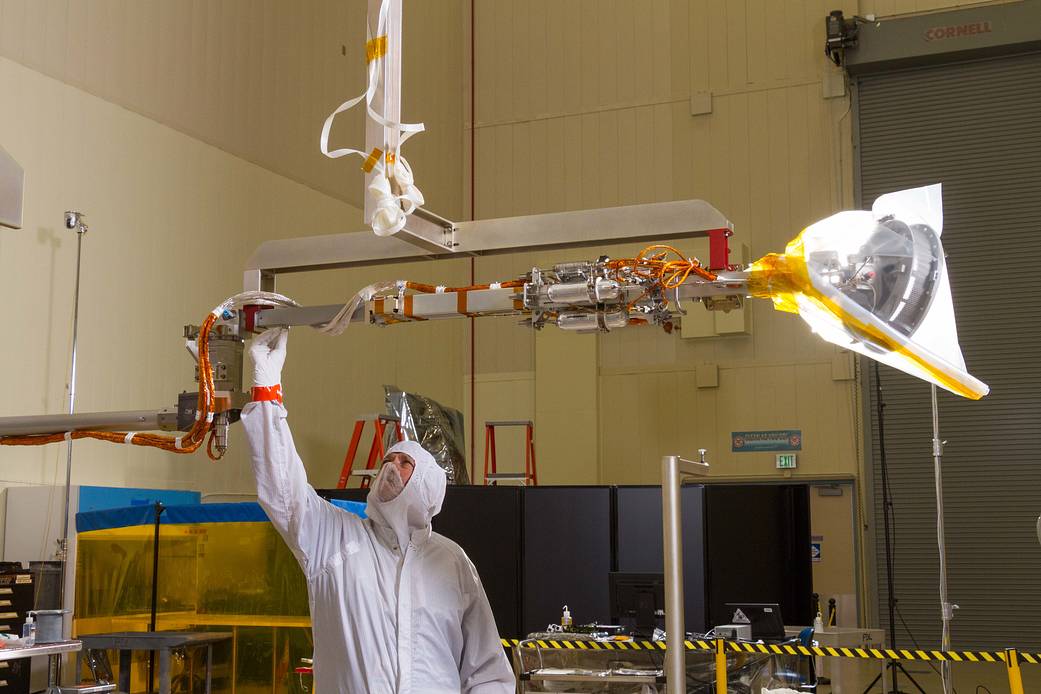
[162, 642]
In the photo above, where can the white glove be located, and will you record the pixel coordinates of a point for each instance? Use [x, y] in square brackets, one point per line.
[268, 352]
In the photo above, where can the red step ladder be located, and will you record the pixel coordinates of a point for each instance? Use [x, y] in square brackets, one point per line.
[493, 476]
[376, 451]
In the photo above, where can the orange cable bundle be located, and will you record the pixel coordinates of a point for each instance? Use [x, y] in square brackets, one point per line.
[668, 273]
[188, 443]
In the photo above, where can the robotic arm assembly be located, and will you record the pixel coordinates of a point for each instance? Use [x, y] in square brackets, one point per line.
[873, 282]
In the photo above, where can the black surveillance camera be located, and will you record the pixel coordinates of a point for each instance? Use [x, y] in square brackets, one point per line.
[841, 34]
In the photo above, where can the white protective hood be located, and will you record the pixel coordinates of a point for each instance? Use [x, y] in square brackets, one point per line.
[418, 502]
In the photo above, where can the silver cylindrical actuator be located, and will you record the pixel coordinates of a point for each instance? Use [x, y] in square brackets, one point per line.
[603, 290]
[589, 320]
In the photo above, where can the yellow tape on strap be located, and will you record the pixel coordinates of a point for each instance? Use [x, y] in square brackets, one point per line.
[370, 161]
[375, 48]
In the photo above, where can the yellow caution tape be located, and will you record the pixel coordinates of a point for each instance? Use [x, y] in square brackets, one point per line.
[783, 649]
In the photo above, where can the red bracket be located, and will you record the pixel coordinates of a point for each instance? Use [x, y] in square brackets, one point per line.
[719, 249]
[249, 317]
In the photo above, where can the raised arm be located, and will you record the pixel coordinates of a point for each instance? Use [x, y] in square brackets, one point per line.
[311, 526]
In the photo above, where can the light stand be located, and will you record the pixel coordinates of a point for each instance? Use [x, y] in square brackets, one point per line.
[893, 666]
[73, 222]
[946, 608]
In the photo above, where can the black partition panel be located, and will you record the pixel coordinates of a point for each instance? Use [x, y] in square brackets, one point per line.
[640, 544]
[540, 548]
[567, 554]
[758, 549]
[486, 522]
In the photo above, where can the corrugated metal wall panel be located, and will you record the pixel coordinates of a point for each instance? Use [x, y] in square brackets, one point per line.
[974, 127]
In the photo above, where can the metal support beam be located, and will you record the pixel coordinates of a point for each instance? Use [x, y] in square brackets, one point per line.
[136, 420]
[309, 316]
[633, 223]
[428, 232]
[485, 302]
[387, 97]
[673, 470]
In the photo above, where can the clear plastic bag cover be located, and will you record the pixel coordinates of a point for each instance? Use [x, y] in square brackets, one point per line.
[439, 429]
[746, 672]
[876, 283]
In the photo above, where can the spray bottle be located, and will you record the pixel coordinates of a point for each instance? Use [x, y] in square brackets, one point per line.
[565, 619]
[29, 631]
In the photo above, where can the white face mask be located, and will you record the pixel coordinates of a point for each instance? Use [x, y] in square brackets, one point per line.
[388, 483]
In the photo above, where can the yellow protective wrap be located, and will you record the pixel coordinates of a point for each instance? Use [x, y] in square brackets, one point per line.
[783, 278]
[236, 577]
[780, 277]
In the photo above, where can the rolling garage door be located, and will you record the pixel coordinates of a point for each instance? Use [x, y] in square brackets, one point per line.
[975, 127]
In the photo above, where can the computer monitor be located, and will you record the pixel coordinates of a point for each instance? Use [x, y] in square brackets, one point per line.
[637, 600]
[763, 617]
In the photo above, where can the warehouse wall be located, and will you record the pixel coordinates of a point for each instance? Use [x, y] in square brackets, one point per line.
[172, 220]
[593, 104]
[580, 104]
[585, 105]
[255, 78]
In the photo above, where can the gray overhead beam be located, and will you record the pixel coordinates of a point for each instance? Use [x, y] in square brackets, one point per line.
[649, 222]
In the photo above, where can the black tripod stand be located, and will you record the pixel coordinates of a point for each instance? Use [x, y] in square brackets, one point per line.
[893, 666]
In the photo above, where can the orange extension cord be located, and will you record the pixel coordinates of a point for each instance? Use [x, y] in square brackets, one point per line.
[188, 443]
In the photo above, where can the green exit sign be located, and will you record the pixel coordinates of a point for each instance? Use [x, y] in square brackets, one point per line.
[786, 461]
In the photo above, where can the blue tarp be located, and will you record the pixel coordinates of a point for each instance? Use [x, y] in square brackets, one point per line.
[246, 512]
[99, 498]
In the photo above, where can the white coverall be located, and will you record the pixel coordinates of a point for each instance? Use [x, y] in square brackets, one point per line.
[395, 607]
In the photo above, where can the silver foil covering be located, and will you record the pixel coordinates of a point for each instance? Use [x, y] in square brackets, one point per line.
[437, 428]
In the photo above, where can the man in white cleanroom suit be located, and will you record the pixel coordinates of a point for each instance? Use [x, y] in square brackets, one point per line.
[395, 607]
